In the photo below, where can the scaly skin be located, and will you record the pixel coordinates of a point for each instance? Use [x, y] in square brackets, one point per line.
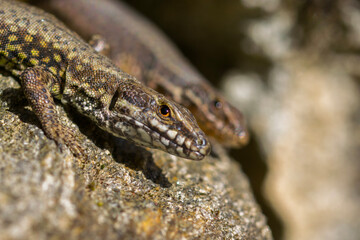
[140, 49]
[52, 61]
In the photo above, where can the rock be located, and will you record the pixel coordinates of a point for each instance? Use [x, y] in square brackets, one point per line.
[122, 191]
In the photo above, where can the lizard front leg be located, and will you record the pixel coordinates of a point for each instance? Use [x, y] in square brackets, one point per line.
[38, 84]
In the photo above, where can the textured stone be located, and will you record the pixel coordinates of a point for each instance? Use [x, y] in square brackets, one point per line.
[122, 191]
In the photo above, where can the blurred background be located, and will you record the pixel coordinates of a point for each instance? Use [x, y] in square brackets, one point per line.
[293, 68]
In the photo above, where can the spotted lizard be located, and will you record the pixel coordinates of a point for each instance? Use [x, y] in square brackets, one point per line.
[141, 49]
[52, 61]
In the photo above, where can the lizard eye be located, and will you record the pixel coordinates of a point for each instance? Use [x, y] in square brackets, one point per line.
[164, 110]
[217, 104]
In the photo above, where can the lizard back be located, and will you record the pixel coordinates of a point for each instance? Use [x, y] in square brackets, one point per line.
[53, 61]
[141, 49]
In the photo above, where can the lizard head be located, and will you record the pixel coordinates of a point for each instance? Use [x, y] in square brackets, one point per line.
[218, 118]
[141, 115]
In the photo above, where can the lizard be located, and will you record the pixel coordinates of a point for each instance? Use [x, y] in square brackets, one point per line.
[53, 62]
[141, 49]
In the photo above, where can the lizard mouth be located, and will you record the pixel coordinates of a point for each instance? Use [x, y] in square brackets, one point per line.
[231, 137]
[228, 135]
[171, 141]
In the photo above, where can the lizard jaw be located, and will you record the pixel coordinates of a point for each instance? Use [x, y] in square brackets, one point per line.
[194, 148]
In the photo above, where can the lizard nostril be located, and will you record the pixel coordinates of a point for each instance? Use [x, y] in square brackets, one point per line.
[201, 142]
[243, 136]
[203, 146]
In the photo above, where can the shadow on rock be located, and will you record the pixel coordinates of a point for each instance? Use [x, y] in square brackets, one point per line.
[142, 160]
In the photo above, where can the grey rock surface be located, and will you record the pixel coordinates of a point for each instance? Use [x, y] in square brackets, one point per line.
[121, 192]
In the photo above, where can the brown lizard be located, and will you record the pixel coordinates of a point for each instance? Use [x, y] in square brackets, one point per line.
[54, 62]
[141, 49]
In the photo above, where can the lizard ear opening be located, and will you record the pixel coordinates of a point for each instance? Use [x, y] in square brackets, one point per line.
[114, 100]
